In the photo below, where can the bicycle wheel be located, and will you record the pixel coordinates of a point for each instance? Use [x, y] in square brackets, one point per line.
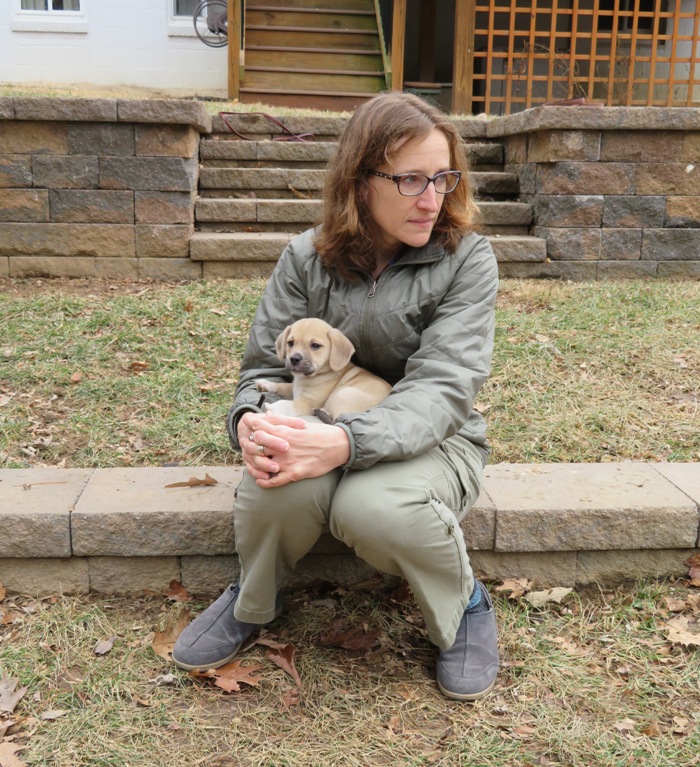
[211, 23]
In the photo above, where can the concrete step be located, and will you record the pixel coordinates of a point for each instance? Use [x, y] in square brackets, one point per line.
[267, 246]
[232, 181]
[242, 212]
[125, 530]
[220, 152]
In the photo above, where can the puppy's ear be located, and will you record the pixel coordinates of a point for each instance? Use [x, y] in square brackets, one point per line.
[281, 342]
[341, 349]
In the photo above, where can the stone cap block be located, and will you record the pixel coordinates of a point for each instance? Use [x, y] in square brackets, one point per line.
[479, 525]
[132, 512]
[35, 509]
[686, 477]
[173, 111]
[71, 109]
[594, 118]
[7, 108]
[574, 507]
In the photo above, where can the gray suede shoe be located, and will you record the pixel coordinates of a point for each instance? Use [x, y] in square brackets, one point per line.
[214, 637]
[467, 671]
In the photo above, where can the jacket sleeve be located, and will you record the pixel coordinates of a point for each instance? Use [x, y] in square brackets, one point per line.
[435, 398]
[284, 301]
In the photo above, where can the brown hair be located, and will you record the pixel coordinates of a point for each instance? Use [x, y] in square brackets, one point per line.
[346, 239]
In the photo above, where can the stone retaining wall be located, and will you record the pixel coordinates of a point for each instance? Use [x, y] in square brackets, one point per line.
[615, 191]
[106, 187]
[98, 187]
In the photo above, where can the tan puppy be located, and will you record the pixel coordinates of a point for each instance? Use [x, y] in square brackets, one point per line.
[325, 382]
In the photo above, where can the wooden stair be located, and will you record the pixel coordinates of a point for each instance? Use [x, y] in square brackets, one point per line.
[325, 54]
[254, 195]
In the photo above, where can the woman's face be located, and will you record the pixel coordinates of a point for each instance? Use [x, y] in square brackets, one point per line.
[408, 220]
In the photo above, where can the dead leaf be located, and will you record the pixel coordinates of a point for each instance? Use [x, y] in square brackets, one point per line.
[652, 730]
[516, 586]
[299, 195]
[3, 592]
[137, 366]
[231, 676]
[354, 638]
[683, 630]
[104, 646]
[9, 695]
[77, 377]
[675, 605]
[7, 755]
[540, 598]
[53, 713]
[693, 564]
[680, 725]
[626, 725]
[164, 641]
[177, 592]
[284, 658]
[401, 594]
[195, 482]
[289, 699]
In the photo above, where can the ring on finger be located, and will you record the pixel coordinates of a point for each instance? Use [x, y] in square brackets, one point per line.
[260, 450]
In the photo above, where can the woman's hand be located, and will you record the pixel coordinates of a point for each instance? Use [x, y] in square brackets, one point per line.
[278, 449]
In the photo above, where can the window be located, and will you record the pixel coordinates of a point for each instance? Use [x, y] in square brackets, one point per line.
[180, 14]
[49, 16]
[645, 11]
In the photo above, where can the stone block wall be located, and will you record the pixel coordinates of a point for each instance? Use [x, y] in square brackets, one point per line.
[98, 187]
[615, 191]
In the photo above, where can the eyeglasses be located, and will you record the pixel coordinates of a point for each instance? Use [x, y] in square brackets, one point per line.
[413, 184]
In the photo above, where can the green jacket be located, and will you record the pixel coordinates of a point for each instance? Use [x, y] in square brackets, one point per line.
[426, 326]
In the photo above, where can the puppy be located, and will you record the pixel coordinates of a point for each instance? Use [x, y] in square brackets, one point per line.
[325, 382]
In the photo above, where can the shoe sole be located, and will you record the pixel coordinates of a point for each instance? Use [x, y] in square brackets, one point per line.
[207, 666]
[466, 696]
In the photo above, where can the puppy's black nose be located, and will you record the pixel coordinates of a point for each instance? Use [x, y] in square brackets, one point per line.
[296, 358]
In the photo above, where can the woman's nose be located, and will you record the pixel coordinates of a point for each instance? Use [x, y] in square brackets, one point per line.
[428, 198]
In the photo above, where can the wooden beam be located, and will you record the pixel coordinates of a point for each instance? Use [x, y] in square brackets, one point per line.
[234, 48]
[398, 43]
[463, 58]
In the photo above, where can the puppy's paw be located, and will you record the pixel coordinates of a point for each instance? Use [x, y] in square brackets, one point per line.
[262, 384]
[282, 406]
[323, 415]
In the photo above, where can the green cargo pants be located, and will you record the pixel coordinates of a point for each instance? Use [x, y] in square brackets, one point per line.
[401, 517]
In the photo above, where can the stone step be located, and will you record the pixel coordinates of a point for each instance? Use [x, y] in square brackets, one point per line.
[267, 246]
[218, 152]
[123, 530]
[281, 211]
[230, 182]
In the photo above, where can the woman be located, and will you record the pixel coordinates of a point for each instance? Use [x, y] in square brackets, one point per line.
[396, 268]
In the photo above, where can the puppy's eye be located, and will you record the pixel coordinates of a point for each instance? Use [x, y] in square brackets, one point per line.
[315, 345]
[290, 343]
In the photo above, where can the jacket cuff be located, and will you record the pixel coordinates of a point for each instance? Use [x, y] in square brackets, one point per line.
[233, 417]
[351, 440]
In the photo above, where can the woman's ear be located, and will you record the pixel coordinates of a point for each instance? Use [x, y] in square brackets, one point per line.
[341, 349]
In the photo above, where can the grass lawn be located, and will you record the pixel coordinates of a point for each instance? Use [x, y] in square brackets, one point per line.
[98, 374]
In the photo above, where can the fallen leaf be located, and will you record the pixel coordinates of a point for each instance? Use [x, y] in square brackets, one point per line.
[675, 605]
[626, 725]
[540, 598]
[7, 755]
[137, 366]
[693, 564]
[284, 658]
[652, 730]
[104, 646]
[164, 641]
[680, 725]
[683, 630]
[165, 679]
[354, 638]
[177, 592]
[195, 482]
[77, 377]
[290, 698]
[516, 586]
[3, 592]
[401, 594]
[9, 695]
[53, 713]
[231, 676]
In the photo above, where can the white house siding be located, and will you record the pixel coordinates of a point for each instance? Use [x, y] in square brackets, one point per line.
[120, 42]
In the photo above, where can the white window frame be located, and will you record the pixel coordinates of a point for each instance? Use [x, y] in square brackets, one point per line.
[178, 26]
[50, 20]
